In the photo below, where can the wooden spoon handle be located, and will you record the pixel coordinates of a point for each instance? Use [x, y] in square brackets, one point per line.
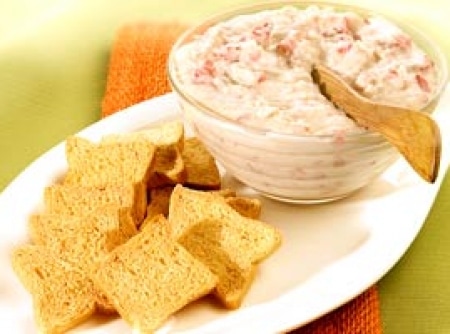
[415, 134]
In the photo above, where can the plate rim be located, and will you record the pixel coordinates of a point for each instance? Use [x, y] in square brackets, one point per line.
[249, 318]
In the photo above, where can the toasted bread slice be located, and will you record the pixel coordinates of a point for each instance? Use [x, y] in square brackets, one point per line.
[160, 200]
[168, 139]
[159, 203]
[102, 164]
[246, 206]
[73, 200]
[225, 192]
[85, 240]
[169, 167]
[169, 133]
[255, 239]
[151, 277]
[201, 168]
[77, 148]
[62, 293]
[227, 242]
[235, 276]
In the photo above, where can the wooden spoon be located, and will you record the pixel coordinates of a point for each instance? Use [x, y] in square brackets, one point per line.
[414, 133]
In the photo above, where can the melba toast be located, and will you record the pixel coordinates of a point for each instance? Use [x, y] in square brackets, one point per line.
[139, 228]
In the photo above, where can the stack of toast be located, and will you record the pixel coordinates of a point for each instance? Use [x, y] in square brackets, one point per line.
[139, 227]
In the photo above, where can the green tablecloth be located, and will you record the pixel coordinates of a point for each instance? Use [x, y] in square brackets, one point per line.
[53, 63]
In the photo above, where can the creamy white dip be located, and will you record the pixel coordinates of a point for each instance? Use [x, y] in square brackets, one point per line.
[256, 68]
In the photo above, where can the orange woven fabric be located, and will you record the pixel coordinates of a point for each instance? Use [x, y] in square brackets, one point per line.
[359, 316]
[137, 67]
[137, 71]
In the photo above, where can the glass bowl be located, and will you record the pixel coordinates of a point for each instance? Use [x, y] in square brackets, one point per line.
[287, 167]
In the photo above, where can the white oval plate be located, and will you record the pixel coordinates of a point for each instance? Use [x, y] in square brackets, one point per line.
[330, 254]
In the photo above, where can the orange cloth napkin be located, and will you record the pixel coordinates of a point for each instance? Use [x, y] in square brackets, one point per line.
[137, 71]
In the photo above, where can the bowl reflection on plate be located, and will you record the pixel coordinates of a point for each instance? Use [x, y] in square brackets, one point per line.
[293, 168]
